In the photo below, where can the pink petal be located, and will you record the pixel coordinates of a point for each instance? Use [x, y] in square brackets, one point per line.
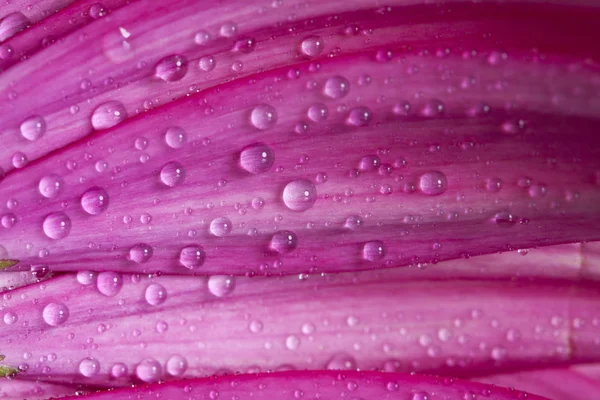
[14, 389]
[112, 330]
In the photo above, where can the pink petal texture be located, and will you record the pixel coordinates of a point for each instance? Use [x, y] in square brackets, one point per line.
[13, 389]
[275, 182]
[319, 384]
[555, 384]
[112, 330]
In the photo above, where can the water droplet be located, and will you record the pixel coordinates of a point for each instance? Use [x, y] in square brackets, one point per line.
[374, 251]
[538, 190]
[89, 367]
[57, 225]
[141, 143]
[263, 116]
[8, 220]
[228, 29]
[50, 186]
[155, 294]
[221, 226]
[140, 253]
[318, 112]
[257, 158]
[359, 116]
[255, 326]
[86, 277]
[10, 318]
[505, 218]
[172, 174]
[108, 114]
[433, 183]
[284, 242]
[176, 137]
[420, 396]
[94, 201]
[118, 370]
[300, 195]
[176, 365]
[384, 55]
[245, 45]
[336, 87]
[12, 24]
[207, 63]
[369, 163]
[171, 68]
[221, 285]
[354, 222]
[433, 108]
[201, 37]
[312, 46]
[55, 314]
[109, 283]
[33, 128]
[19, 159]
[192, 256]
[97, 10]
[292, 342]
[493, 184]
[149, 370]
[341, 361]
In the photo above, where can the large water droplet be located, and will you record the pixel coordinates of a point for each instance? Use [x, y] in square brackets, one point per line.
[257, 158]
[149, 370]
[341, 361]
[51, 185]
[172, 174]
[94, 201]
[8, 220]
[33, 128]
[318, 112]
[312, 45]
[109, 283]
[176, 137]
[57, 225]
[359, 116]
[141, 253]
[118, 370]
[108, 114]
[284, 242]
[176, 365]
[433, 183]
[86, 277]
[374, 250]
[155, 294]
[89, 367]
[300, 195]
[336, 87]
[221, 226]
[221, 285]
[12, 24]
[192, 256]
[171, 68]
[10, 318]
[55, 314]
[354, 222]
[263, 116]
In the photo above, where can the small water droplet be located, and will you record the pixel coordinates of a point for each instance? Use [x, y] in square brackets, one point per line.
[312, 46]
[202, 37]
[433, 183]
[221, 285]
[109, 283]
[420, 396]
[359, 116]
[171, 68]
[97, 10]
[228, 29]
[108, 114]
[336, 87]
[221, 226]
[55, 314]
[10, 318]
[141, 253]
[86, 277]
[149, 370]
[33, 128]
[369, 163]
[318, 112]
[51, 186]
[493, 184]
[8, 220]
[176, 365]
[19, 160]
[292, 342]
[89, 367]
[118, 370]
[505, 218]
[255, 326]
[374, 251]
[257, 158]
[172, 174]
[245, 45]
[57, 225]
[300, 195]
[94, 201]
[341, 361]
[207, 63]
[354, 222]
[284, 242]
[263, 116]
[155, 294]
[176, 137]
[192, 256]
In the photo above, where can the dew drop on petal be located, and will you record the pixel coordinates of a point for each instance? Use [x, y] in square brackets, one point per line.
[318, 112]
[12, 24]
[97, 10]
[176, 137]
[359, 116]
[176, 365]
[86, 277]
[155, 294]
[292, 342]
[33, 128]
[192, 256]
[8, 220]
[505, 218]
[141, 253]
[118, 370]
[369, 163]
[94, 201]
[171, 68]
[284, 242]
[207, 63]
[354, 222]
[55, 314]
[341, 361]
[374, 251]
[312, 46]
[336, 87]
[19, 160]
[300, 195]
[109, 283]
[221, 285]
[108, 114]
[245, 45]
[89, 367]
[10, 318]
[172, 174]
[493, 184]
[202, 37]
[149, 370]
[57, 225]
[228, 29]
[420, 396]
[257, 158]
[51, 185]
[221, 226]
[433, 183]
[263, 116]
